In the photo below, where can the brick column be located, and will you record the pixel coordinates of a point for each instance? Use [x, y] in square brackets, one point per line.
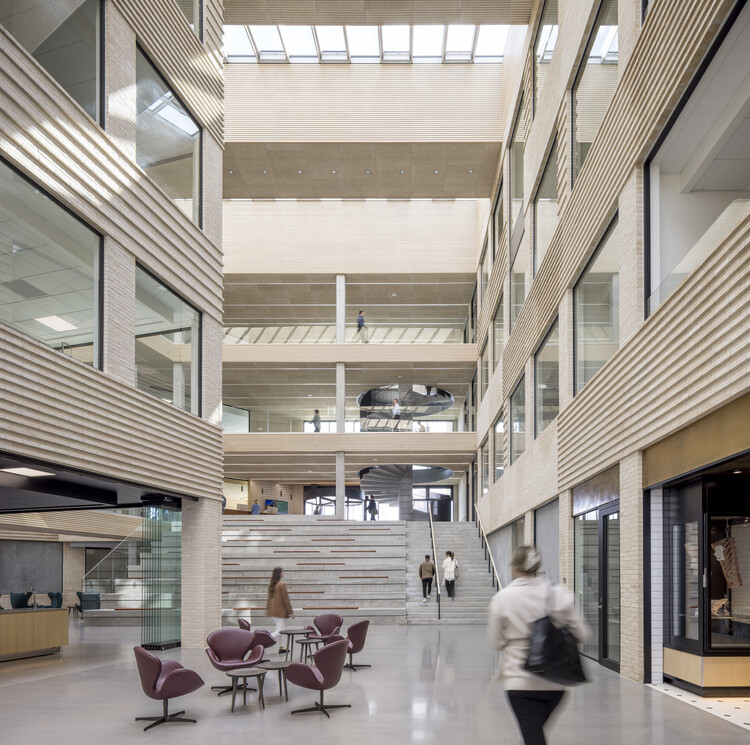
[201, 570]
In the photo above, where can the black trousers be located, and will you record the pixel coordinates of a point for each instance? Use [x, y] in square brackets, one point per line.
[532, 710]
[426, 586]
[450, 587]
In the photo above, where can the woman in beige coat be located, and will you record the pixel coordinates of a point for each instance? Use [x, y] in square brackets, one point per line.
[278, 606]
[512, 611]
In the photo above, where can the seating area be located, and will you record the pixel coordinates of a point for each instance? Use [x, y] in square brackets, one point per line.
[240, 654]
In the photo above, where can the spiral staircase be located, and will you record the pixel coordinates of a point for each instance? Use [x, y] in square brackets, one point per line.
[416, 401]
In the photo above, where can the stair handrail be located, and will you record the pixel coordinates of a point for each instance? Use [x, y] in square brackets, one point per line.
[434, 555]
[491, 568]
[109, 553]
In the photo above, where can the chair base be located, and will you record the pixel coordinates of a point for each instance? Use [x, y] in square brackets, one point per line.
[228, 689]
[323, 708]
[352, 666]
[164, 718]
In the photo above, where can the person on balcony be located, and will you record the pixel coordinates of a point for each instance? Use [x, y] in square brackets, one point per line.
[362, 328]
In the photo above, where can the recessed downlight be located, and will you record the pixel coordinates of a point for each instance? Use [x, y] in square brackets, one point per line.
[333, 172]
[299, 173]
[230, 172]
[737, 470]
[471, 171]
[30, 472]
[368, 171]
[265, 173]
[402, 171]
[437, 172]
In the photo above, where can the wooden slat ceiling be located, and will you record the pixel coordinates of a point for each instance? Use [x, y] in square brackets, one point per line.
[377, 11]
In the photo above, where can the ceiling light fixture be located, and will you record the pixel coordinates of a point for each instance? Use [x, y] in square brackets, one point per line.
[393, 294]
[230, 172]
[737, 470]
[402, 171]
[437, 172]
[299, 173]
[265, 173]
[368, 171]
[56, 323]
[30, 472]
[471, 171]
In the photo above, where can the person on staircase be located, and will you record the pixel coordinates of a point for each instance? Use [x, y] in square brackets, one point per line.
[372, 508]
[450, 572]
[426, 573]
[278, 606]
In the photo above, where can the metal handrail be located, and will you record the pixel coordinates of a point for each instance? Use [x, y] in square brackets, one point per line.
[107, 555]
[434, 555]
[491, 568]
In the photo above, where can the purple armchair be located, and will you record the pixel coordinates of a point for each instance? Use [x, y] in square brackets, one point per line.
[326, 626]
[229, 649]
[355, 636]
[262, 636]
[163, 681]
[329, 664]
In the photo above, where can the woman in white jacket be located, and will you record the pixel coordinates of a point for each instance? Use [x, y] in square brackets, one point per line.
[512, 612]
[450, 572]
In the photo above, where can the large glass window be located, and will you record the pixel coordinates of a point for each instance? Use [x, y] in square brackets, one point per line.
[545, 209]
[49, 270]
[596, 305]
[498, 333]
[546, 38]
[167, 139]
[64, 38]
[167, 343]
[485, 461]
[499, 443]
[595, 83]
[517, 146]
[518, 420]
[547, 380]
[497, 223]
[193, 10]
[484, 368]
[484, 268]
[517, 286]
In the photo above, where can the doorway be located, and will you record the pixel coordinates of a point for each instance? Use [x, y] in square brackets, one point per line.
[597, 581]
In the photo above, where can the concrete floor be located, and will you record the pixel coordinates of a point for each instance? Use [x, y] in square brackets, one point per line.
[427, 685]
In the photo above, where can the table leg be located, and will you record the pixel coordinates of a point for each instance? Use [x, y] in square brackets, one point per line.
[286, 692]
[261, 681]
[234, 692]
[244, 691]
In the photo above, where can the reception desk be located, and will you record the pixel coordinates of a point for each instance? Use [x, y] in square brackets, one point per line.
[27, 632]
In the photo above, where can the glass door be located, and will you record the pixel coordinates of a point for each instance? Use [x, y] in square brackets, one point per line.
[609, 521]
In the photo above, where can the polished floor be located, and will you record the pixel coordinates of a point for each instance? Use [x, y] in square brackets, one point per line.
[427, 685]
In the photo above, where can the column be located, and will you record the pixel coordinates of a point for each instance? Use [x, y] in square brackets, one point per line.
[340, 309]
[340, 397]
[406, 495]
[340, 485]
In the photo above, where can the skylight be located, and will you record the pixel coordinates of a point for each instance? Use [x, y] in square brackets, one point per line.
[457, 43]
[605, 47]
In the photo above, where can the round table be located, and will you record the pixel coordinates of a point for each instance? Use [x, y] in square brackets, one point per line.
[290, 633]
[304, 647]
[243, 673]
[279, 666]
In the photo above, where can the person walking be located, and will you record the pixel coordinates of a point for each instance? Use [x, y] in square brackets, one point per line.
[426, 573]
[362, 328]
[316, 421]
[512, 612]
[255, 509]
[278, 605]
[395, 413]
[372, 508]
[450, 572]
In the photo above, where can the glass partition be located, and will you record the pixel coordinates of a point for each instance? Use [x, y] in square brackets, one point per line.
[545, 209]
[516, 152]
[586, 562]
[595, 83]
[65, 39]
[498, 331]
[517, 286]
[484, 459]
[547, 380]
[484, 368]
[596, 301]
[167, 139]
[167, 343]
[484, 270]
[235, 421]
[49, 270]
[499, 444]
[498, 225]
[518, 420]
[546, 38]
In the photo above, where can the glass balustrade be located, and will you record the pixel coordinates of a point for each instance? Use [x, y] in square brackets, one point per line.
[311, 333]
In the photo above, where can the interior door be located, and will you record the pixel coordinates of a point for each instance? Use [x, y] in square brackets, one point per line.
[609, 618]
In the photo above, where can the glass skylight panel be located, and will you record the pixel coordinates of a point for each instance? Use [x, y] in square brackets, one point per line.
[546, 44]
[605, 45]
[459, 43]
[268, 42]
[396, 43]
[299, 43]
[332, 43]
[364, 43]
[237, 44]
[428, 42]
[491, 41]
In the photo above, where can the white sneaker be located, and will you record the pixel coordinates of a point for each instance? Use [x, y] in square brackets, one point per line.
[424, 600]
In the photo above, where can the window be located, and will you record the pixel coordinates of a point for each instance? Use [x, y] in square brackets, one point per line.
[517, 286]
[697, 178]
[484, 270]
[499, 446]
[235, 420]
[545, 209]
[497, 223]
[50, 267]
[518, 420]
[485, 460]
[595, 83]
[167, 139]
[498, 333]
[517, 145]
[546, 38]
[596, 303]
[167, 343]
[484, 368]
[65, 39]
[193, 11]
[547, 380]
